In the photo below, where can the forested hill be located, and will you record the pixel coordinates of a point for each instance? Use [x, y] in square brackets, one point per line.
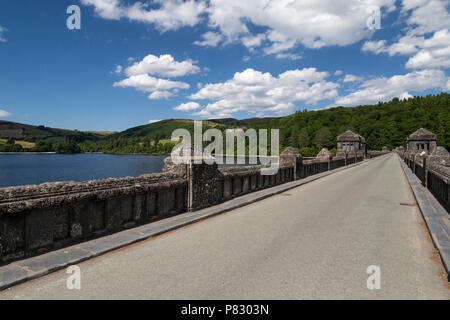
[385, 124]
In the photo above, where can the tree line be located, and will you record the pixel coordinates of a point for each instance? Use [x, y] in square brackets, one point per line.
[384, 124]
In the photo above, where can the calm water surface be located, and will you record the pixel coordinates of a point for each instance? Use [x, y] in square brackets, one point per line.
[23, 169]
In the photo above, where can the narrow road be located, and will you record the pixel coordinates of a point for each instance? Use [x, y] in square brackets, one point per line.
[312, 242]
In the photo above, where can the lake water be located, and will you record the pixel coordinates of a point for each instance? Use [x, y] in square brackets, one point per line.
[23, 169]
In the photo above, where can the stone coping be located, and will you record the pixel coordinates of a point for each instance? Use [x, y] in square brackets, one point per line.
[18, 199]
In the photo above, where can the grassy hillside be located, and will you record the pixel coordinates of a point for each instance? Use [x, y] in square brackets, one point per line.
[149, 138]
[24, 144]
[20, 131]
[162, 129]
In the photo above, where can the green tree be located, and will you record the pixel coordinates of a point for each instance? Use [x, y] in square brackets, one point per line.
[323, 138]
[295, 138]
[67, 146]
[303, 138]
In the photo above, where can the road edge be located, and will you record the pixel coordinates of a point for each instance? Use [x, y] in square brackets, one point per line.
[433, 214]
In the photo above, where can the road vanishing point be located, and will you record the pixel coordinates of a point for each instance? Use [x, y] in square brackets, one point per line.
[312, 242]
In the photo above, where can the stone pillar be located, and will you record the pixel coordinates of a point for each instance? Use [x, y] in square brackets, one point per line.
[292, 158]
[329, 162]
[203, 181]
[299, 167]
[425, 172]
[346, 156]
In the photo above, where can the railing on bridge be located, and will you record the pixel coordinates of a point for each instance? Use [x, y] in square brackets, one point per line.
[236, 181]
[432, 176]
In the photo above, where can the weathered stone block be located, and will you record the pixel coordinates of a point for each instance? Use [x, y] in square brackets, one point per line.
[166, 201]
[151, 204]
[237, 185]
[204, 180]
[86, 217]
[227, 188]
[39, 228]
[12, 235]
[127, 209]
[272, 180]
[261, 181]
[139, 207]
[253, 182]
[113, 214]
[266, 181]
[180, 197]
[245, 183]
[61, 229]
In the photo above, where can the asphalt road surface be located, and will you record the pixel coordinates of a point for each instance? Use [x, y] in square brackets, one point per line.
[312, 242]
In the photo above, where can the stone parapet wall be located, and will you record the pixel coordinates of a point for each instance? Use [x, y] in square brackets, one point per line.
[434, 173]
[236, 181]
[38, 218]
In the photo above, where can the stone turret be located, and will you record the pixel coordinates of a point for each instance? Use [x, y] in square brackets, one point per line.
[350, 142]
[421, 140]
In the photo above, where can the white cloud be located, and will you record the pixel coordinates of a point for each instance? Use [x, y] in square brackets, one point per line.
[311, 23]
[140, 75]
[108, 9]
[153, 121]
[426, 16]
[189, 106]
[280, 43]
[5, 114]
[164, 65]
[383, 89]
[374, 46]
[406, 45]
[170, 14]
[156, 95]
[352, 78]
[287, 23]
[291, 56]
[2, 31]
[210, 39]
[338, 72]
[118, 69]
[252, 41]
[427, 38]
[262, 93]
[434, 52]
[158, 88]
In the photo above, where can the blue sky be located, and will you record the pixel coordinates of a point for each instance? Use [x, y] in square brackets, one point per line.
[132, 62]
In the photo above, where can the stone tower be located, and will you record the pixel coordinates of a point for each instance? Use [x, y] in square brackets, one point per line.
[421, 140]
